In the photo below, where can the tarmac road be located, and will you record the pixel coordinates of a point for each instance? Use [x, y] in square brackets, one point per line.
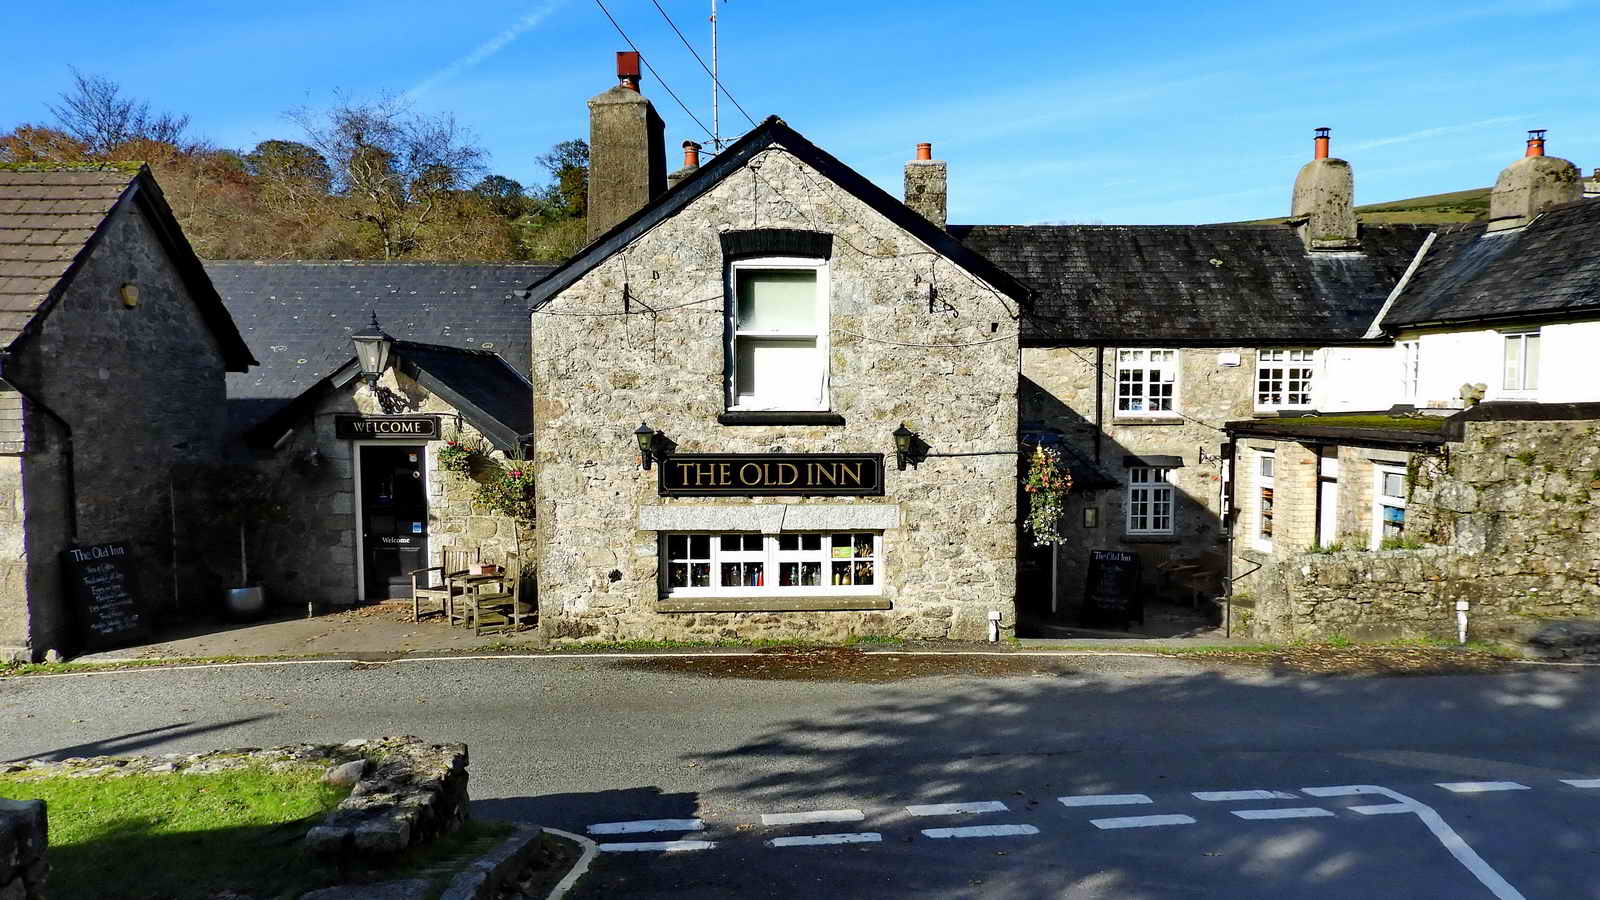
[952, 786]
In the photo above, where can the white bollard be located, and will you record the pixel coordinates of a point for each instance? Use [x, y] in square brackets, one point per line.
[1461, 620]
[994, 626]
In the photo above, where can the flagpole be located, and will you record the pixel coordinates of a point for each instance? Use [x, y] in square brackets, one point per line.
[716, 125]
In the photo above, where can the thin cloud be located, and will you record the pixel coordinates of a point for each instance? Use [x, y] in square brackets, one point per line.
[1426, 133]
[486, 49]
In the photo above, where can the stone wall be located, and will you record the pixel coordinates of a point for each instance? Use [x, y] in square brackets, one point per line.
[23, 840]
[597, 374]
[1510, 521]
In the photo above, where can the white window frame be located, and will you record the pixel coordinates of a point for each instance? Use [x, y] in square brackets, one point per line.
[1287, 368]
[1163, 372]
[1380, 499]
[771, 555]
[1155, 484]
[820, 335]
[1526, 382]
[1266, 480]
[1410, 368]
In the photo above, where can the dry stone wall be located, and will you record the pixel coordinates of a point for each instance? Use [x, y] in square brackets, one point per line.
[23, 839]
[597, 374]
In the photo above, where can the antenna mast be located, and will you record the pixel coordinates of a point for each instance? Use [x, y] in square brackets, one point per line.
[716, 125]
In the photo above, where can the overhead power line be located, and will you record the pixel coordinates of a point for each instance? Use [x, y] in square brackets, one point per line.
[653, 72]
[714, 79]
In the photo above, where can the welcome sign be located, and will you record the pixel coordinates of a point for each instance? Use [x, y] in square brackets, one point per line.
[770, 474]
[399, 428]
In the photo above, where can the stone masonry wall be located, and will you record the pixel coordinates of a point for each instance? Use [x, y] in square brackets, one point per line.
[597, 374]
[1510, 518]
[23, 843]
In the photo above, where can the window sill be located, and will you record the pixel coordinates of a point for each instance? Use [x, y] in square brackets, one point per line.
[1147, 420]
[1150, 538]
[775, 417]
[771, 604]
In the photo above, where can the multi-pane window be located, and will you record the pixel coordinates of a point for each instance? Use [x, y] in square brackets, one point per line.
[1410, 367]
[795, 563]
[779, 335]
[1265, 484]
[1149, 501]
[1283, 378]
[1522, 361]
[1147, 381]
[1389, 507]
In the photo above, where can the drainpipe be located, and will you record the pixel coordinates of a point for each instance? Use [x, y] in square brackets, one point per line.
[66, 448]
[1099, 399]
[1228, 522]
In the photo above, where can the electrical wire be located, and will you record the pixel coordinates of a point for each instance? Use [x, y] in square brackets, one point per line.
[657, 75]
[1092, 367]
[714, 79]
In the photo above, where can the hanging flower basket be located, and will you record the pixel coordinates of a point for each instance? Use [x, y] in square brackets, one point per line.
[456, 457]
[1047, 484]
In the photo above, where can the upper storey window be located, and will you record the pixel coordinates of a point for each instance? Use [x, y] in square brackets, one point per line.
[1283, 378]
[778, 322]
[1147, 382]
[1521, 358]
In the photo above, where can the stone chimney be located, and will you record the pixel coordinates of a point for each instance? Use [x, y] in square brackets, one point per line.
[927, 185]
[627, 150]
[1324, 198]
[691, 164]
[1532, 185]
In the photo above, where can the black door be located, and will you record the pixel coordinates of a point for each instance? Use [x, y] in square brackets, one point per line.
[394, 520]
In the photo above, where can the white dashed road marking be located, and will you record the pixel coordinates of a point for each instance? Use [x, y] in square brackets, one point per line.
[644, 825]
[1479, 787]
[810, 818]
[1229, 796]
[1381, 809]
[1582, 782]
[1105, 800]
[975, 831]
[816, 840]
[951, 809]
[1304, 812]
[656, 846]
[1447, 836]
[1141, 821]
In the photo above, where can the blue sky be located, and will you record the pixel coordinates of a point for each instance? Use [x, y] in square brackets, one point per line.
[1156, 112]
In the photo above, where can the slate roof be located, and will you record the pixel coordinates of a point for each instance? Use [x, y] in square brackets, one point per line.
[1194, 284]
[1551, 266]
[52, 216]
[299, 317]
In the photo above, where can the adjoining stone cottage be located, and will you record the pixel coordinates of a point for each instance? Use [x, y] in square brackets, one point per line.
[113, 349]
[1481, 483]
[724, 383]
[363, 498]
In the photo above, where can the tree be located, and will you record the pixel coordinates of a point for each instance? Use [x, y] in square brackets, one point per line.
[95, 113]
[568, 163]
[40, 143]
[393, 169]
[505, 196]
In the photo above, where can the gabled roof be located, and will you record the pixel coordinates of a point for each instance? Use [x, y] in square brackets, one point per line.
[53, 215]
[771, 132]
[1549, 267]
[299, 316]
[1194, 284]
[491, 396]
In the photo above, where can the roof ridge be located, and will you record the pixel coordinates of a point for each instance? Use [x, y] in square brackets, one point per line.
[127, 168]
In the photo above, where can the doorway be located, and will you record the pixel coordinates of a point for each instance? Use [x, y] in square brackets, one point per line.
[1327, 496]
[394, 519]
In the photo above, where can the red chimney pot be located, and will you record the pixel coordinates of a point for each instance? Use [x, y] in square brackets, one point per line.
[1322, 141]
[628, 69]
[1535, 142]
[691, 155]
[925, 150]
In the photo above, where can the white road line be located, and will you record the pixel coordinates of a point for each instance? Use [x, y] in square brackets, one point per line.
[1447, 836]
[1381, 809]
[656, 846]
[973, 831]
[1230, 796]
[951, 809]
[1141, 821]
[1105, 800]
[1304, 812]
[810, 818]
[816, 840]
[1479, 787]
[1582, 782]
[644, 825]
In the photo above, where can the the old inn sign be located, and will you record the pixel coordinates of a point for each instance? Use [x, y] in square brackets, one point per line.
[368, 428]
[767, 474]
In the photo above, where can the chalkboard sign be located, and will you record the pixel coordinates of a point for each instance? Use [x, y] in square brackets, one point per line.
[106, 609]
[1111, 595]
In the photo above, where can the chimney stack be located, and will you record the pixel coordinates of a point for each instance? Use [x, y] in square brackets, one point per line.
[627, 150]
[927, 185]
[1324, 200]
[1532, 185]
[691, 163]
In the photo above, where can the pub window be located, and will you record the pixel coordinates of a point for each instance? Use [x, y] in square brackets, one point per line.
[1522, 361]
[1147, 382]
[778, 327]
[1149, 500]
[1389, 508]
[1283, 378]
[744, 564]
[1265, 483]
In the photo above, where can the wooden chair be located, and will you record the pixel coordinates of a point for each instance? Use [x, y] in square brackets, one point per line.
[447, 591]
[500, 601]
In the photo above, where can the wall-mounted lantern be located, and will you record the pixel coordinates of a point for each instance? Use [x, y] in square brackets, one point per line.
[372, 350]
[654, 446]
[907, 448]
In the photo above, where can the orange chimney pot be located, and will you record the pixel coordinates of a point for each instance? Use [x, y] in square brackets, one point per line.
[1535, 142]
[925, 151]
[628, 69]
[691, 155]
[1322, 141]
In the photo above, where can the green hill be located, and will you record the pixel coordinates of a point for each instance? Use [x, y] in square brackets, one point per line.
[1433, 209]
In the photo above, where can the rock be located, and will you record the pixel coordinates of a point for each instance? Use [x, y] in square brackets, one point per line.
[325, 840]
[52, 655]
[16, 890]
[389, 835]
[346, 774]
[410, 889]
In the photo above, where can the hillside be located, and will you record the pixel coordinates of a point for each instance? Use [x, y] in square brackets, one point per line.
[1433, 209]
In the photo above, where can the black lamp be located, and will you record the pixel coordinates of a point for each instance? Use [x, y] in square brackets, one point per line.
[646, 436]
[372, 350]
[904, 438]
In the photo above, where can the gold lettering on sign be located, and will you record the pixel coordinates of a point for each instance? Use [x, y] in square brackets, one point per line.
[724, 474]
[788, 474]
[819, 471]
[750, 475]
[683, 472]
[852, 472]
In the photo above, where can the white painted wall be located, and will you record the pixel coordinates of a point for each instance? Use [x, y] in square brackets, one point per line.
[1357, 378]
